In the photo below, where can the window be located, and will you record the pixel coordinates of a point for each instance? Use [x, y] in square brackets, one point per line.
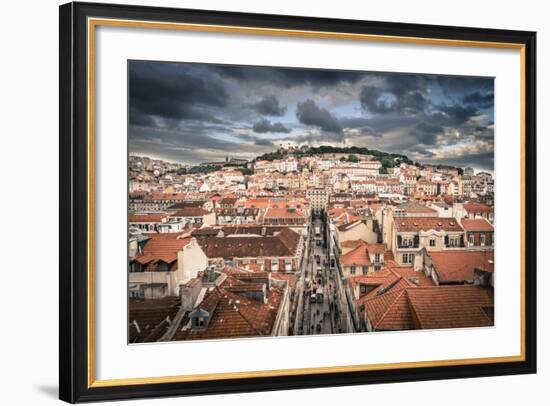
[471, 239]
[365, 270]
[482, 239]
[288, 265]
[376, 258]
[408, 258]
[432, 242]
[274, 265]
[363, 288]
[352, 270]
[136, 294]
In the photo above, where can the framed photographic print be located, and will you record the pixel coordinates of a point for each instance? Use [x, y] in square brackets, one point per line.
[259, 202]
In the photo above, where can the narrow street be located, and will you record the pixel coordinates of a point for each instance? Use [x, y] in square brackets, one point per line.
[321, 311]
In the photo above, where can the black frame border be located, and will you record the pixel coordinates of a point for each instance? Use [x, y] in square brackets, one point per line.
[73, 198]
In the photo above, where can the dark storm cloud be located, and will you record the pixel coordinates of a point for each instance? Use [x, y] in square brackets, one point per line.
[191, 137]
[263, 142]
[452, 85]
[266, 126]
[364, 125]
[269, 106]
[397, 93]
[196, 111]
[485, 100]
[482, 160]
[255, 139]
[421, 151]
[309, 113]
[455, 114]
[173, 92]
[375, 100]
[426, 133]
[288, 77]
[483, 133]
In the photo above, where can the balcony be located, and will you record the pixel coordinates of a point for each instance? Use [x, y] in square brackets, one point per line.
[408, 245]
[408, 242]
[457, 245]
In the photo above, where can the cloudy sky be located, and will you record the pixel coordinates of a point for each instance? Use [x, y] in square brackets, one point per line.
[192, 113]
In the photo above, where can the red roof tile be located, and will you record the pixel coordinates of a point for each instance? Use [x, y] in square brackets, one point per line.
[477, 208]
[235, 315]
[162, 247]
[357, 256]
[458, 266]
[283, 212]
[146, 218]
[431, 307]
[284, 244]
[476, 225]
[451, 306]
[426, 223]
[191, 212]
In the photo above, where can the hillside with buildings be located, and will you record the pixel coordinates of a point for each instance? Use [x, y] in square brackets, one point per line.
[311, 240]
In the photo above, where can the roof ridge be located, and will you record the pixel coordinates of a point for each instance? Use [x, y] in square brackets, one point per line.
[413, 308]
[355, 249]
[399, 293]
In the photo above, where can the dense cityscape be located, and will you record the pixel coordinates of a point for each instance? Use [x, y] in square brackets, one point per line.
[307, 240]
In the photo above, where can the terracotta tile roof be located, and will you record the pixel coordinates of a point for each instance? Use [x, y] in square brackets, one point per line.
[476, 225]
[378, 281]
[244, 275]
[351, 243]
[229, 201]
[205, 232]
[418, 278]
[336, 211]
[415, 207]
[260, 203]
[390, 311]
[146, 218]
[284, 244]
[477, 208]
[283, 212]
[376, 248]
[291, 279]
[357, 256]
[416, 224]
[147, 318]
[431, 307]
[235, 315]
[458, 266]
[162, 247]
[190, 212]
[452, 306]
[374, 278]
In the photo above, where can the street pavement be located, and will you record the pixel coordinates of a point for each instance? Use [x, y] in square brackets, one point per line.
[318, 317]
